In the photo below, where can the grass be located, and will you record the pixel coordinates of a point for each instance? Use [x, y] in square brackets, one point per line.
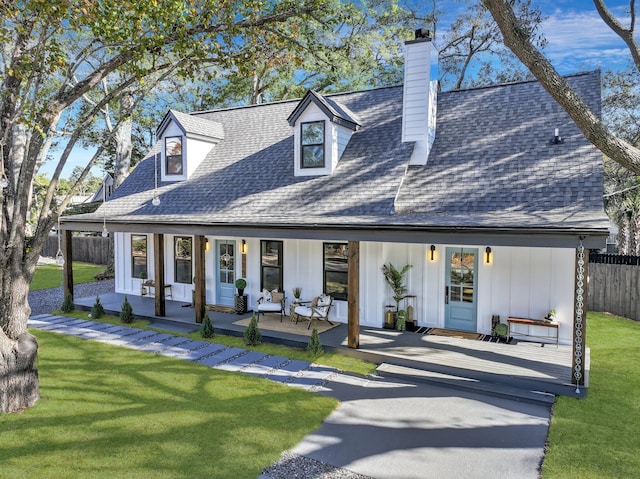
[599, 436]
[111, 412]
[50, 275]
[336, 360]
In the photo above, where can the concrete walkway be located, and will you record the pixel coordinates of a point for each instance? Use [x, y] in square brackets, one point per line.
[384, 428]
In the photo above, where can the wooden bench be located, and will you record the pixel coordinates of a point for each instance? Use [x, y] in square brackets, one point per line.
[152, 284]
[553, 325]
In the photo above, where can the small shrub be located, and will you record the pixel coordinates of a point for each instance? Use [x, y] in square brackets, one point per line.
[206, 330]
[126, 314]
[314, 347]
[97, 311]
[252, 334]
[67, 304]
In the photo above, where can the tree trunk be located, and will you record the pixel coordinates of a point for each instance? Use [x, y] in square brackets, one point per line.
[18, 377]
[122, 139]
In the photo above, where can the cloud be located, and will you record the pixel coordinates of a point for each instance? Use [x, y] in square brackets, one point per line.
[582, 38]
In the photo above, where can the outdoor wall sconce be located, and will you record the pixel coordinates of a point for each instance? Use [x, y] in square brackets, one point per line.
[243, 247]
[432, 252]
[488, 255]
[206, 244]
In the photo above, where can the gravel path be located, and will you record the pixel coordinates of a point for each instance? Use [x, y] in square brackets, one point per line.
[47, 300]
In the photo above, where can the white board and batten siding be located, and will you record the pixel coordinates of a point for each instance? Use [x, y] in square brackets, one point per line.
[520, 281]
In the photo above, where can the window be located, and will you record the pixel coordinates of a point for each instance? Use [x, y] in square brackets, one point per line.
[139, 256]
[335, 270]
[271, 265]
[312, 144]
[182, 248]
[173, 155]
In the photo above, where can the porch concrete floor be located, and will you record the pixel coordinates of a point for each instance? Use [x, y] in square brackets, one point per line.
[521, 364]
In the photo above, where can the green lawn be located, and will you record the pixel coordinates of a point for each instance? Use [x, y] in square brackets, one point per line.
[50, 275]
[111, 412]
[599, 436]
[336, 360]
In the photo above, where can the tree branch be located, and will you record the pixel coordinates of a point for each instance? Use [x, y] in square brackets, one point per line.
[518, 41]
[625, 33]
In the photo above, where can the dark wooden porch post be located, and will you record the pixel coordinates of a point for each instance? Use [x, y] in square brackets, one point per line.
[158, 278]
[67, 269]
[353, 295]
[200, 293]
[580, 316]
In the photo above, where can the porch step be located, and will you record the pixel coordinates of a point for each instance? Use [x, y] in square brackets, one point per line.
[467, 384]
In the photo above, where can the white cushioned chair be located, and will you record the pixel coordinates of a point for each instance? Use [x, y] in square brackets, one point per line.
[318, 310]
[271, 302]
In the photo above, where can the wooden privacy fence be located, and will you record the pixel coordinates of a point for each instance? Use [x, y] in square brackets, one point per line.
[89, 249]
[614, 285]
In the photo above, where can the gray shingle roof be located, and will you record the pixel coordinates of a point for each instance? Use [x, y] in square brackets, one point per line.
[193, 125]
[491, 166]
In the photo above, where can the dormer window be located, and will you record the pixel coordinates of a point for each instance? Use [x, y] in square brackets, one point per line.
[173, 155]
[312, 144]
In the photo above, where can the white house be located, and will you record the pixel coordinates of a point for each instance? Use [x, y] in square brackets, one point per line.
[492, 197]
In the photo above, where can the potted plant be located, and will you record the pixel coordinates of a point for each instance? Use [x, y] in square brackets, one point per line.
[395, 279]
[143, 289]
[297, 292]
[551, 315]
[241, 283]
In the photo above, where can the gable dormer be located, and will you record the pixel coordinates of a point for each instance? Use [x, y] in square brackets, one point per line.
[185, 141]
[322, 129]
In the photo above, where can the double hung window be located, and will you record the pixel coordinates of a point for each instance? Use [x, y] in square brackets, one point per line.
[312, 144]
[182, 251]
[335, 269]
[138, 256]
[173, 155]
[271, 265]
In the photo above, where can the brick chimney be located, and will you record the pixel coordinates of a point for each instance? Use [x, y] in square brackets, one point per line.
[420, 95]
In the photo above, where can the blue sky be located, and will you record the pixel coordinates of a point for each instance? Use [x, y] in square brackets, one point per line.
[577, 37]
[578, 40]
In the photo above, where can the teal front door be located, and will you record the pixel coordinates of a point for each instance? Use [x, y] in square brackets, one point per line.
[461, 289]
[225, 272]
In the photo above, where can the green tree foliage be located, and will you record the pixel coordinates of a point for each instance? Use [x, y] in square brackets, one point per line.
[621, 113]
[252, 335]
[64, 64]
[126, 313]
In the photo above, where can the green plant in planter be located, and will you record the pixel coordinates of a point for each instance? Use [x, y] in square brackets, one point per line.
[241, 283]
[297, 292]
[395, 280]
[401, 320]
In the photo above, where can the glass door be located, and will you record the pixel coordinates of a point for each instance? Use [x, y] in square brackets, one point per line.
[225, 272]
[461, 289]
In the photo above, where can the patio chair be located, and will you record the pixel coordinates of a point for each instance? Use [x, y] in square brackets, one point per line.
[318, 310]
[271, 302]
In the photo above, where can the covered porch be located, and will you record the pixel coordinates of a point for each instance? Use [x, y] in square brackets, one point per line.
[519, 365]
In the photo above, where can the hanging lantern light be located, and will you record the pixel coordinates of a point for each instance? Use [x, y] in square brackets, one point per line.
[59, 255]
